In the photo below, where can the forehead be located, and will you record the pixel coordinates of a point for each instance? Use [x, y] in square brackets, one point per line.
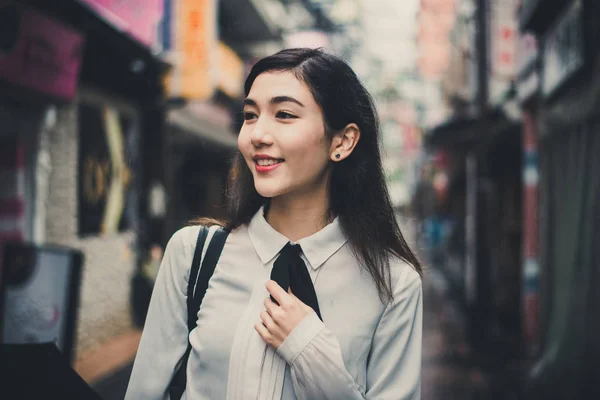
[279, 83]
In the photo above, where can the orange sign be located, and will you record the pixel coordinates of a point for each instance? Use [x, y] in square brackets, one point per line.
[194, 51]
[231, 72]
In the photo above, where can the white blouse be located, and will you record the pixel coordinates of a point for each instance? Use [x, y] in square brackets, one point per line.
[364, 349]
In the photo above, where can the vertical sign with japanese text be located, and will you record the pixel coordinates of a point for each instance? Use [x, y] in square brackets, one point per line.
[194, 42]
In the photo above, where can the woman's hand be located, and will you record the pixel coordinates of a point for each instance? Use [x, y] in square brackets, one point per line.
[279, 320]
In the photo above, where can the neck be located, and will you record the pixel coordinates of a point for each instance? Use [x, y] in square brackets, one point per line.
[297, 216]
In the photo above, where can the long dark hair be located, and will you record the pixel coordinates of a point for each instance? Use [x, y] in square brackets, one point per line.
[358, 192]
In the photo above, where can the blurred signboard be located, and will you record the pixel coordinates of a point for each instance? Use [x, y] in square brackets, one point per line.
[192, 36]
[107, 159]
[503, 47]
[45, 55]
[503, 40]
[436, 21]
[40, 295]
[563, 49]
[231, 72]
[138, 18]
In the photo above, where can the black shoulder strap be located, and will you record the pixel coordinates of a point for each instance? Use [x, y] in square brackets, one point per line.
[193, 277]
[215, 247]
[197, 285]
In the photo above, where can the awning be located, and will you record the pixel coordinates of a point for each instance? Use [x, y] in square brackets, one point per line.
[192, 129]
[112, 60]
[469, 131]
[247, 21]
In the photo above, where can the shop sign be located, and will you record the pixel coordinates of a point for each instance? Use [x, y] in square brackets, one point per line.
[563, 49]
[46, 56]
[138, 18]
[231, 72]
[503, 40]
[194, 49]
[107, 159]
[503, 47]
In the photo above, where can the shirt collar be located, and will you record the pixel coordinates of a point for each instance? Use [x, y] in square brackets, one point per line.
[317, 248]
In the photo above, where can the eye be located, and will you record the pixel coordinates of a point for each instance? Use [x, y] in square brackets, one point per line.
[249, 116]
[285, 115]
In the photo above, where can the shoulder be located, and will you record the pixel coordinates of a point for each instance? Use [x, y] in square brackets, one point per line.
[405, 279]
[185, 238]
[181, 246]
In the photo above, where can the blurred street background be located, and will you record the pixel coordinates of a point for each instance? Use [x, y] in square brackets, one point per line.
[118, 121]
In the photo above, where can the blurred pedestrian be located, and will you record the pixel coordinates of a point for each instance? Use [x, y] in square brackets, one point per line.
[308, 188]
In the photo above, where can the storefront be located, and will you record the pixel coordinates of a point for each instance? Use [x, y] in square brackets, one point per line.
[80, 98]
[482, 206]
[37, 69]
[569, 143]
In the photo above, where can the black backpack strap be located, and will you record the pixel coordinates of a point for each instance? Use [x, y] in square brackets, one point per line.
[193, 277]
[197, 286]
[209, 264]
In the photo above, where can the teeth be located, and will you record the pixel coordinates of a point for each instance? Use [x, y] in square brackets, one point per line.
[265, 163]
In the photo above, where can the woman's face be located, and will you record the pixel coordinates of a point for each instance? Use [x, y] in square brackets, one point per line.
[283, 137]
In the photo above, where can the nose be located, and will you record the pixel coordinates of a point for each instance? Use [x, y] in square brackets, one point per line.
[260, 135]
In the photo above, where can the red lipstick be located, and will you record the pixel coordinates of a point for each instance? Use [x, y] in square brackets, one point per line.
[276, 162]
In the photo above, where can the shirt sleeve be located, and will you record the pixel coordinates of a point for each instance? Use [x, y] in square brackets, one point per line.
[394, 367]
[165, 335]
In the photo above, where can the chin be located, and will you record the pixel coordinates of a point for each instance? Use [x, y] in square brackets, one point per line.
[268, 191]
[270, 188]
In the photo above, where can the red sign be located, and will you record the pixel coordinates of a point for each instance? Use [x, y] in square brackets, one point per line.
[46, 56]
[138, 18]
[503, 38]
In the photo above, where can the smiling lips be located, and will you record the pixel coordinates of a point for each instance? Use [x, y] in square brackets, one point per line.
[264, 163]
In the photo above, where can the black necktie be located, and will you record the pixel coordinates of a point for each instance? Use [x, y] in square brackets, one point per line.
[289, 271]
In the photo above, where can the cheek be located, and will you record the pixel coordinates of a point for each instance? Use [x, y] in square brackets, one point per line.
[312, 155]
[244, 144]
[242, 141]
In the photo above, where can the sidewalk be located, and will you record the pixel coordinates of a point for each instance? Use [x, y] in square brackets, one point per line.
[107, 368]
[449, 370]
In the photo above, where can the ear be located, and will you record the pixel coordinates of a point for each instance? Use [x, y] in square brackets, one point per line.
[344, 142]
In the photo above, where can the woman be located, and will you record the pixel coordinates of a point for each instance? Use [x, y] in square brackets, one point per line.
[309, 172]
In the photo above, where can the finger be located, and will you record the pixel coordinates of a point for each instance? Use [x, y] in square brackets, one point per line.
[267, 320]
[270, 305]
[263, 332]
[296, 300]
[304, 305]
[280, 296]
[292, 295]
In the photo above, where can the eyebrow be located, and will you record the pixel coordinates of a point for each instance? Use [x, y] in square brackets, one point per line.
[274, 100]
